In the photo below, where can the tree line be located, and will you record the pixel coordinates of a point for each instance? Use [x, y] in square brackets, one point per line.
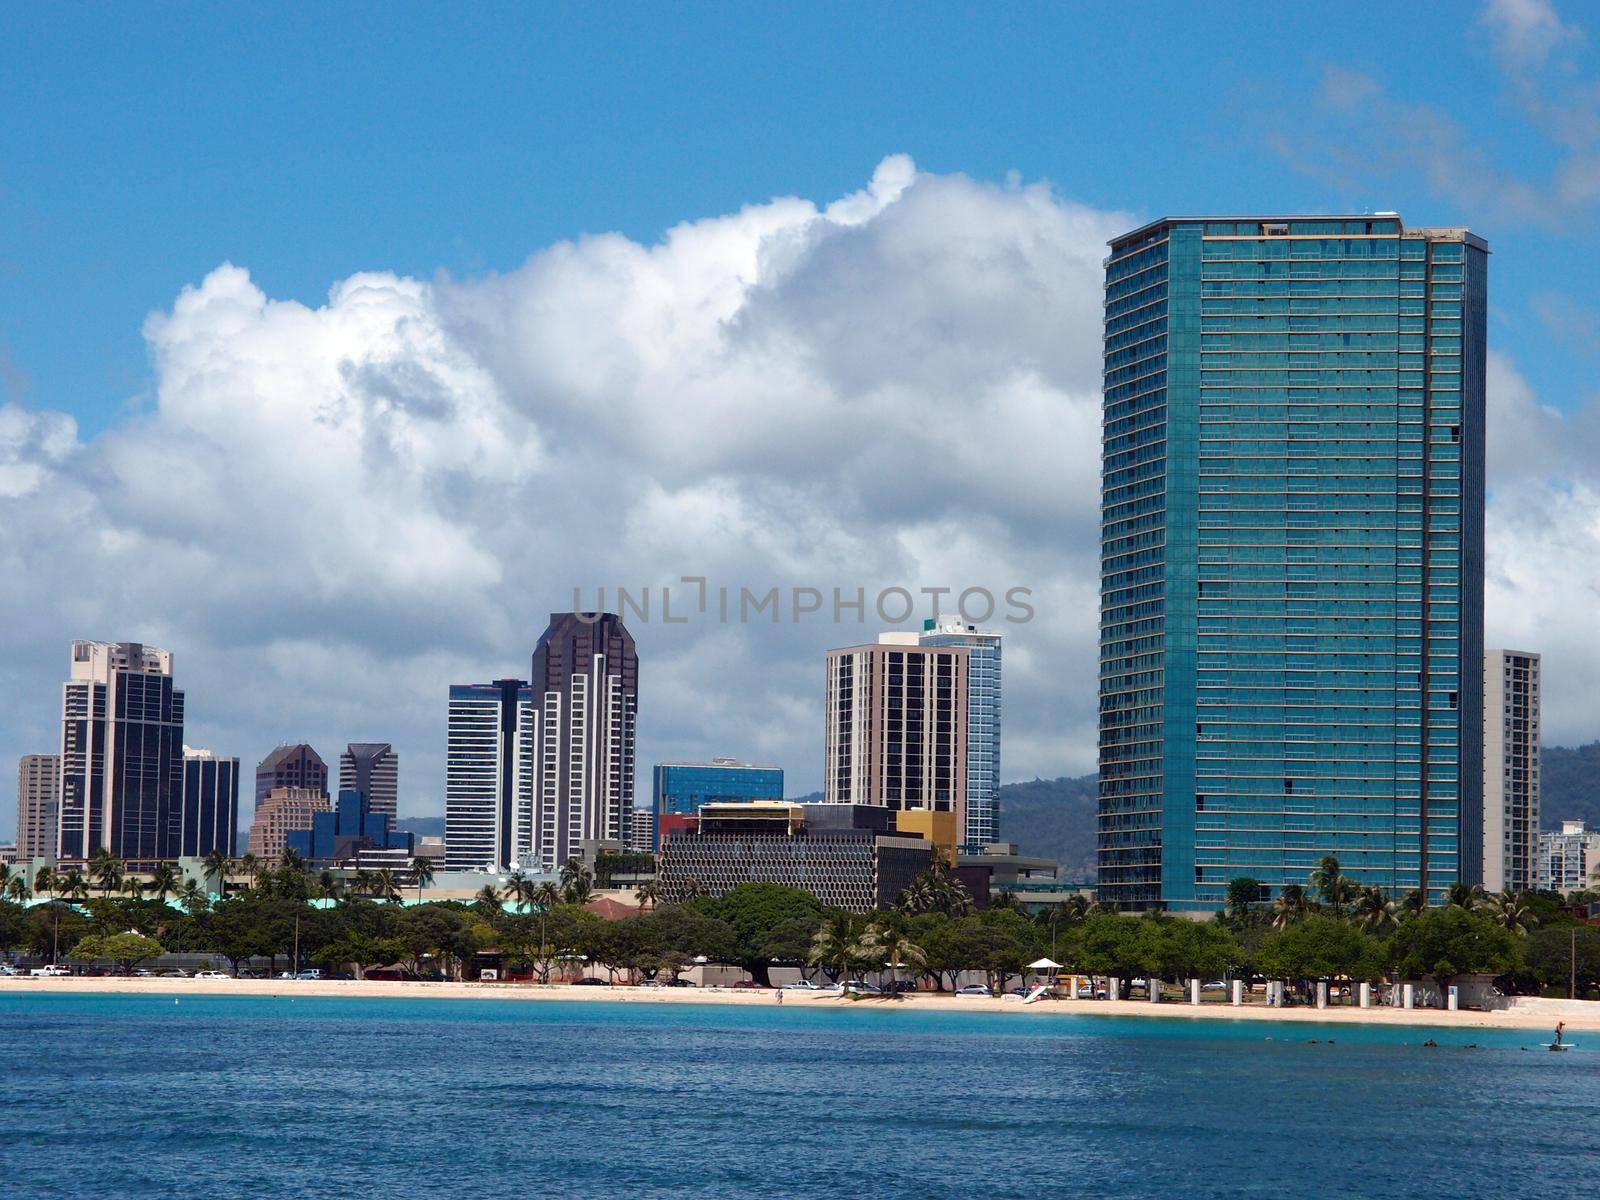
[1328, 929]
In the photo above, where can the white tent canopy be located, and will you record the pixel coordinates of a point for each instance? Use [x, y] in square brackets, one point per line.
[1044, 964]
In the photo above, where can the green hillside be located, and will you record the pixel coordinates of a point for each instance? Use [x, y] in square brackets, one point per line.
[1569, 785]
[1052, 818]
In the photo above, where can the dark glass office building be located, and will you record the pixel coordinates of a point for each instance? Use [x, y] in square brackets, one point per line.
[210, 815]
[121, 753]
[1292, 556]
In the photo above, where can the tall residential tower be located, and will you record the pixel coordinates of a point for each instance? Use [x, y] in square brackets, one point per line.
[38, 781]
[585, 683]
[1291, 556]
[488, 783]
[896, 733]
[983, 722]
[1510, 770]
[121, 753]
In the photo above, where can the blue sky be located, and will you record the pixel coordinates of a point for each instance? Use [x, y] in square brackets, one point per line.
[533, 298]
[307, 142]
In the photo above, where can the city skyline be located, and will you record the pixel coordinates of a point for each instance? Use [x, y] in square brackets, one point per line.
[868, 358]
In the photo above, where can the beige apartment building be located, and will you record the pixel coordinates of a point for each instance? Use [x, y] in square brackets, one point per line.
[38, 799]
[897, 733]
[283, 809]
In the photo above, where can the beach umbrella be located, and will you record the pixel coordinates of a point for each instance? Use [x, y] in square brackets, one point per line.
[1044, 964]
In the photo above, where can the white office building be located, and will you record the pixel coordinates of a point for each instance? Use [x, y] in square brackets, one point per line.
[983, 722]
[489, 769]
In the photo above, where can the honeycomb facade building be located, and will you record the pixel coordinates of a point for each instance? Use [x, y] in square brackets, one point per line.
[846, 855]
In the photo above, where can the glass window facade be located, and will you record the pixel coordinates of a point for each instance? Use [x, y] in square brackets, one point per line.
[681, 788]
[1292, 557]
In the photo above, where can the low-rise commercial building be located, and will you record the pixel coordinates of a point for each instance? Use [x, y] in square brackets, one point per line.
[850, 856]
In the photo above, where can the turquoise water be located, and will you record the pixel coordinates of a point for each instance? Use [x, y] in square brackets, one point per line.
[217, 1097]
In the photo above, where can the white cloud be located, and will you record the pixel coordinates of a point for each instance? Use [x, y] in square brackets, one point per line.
[334, 512]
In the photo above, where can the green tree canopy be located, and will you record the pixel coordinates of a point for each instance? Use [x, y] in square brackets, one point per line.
[127, 950]
[1319, 947]
[1450, 941]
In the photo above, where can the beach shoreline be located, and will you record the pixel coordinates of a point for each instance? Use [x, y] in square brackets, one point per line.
[1541, 1015]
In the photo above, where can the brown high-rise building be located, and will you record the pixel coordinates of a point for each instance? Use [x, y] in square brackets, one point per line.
[296, 766]
[282, 810]
[38, 796]
[897, 733]
[585, 686]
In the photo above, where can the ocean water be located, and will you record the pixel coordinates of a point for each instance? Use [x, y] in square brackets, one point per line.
[218, 1097]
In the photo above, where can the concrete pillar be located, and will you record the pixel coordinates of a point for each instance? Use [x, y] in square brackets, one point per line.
[1453, 1000]
[1322, 993]
[1113, 988]
[1408, 996]
[1194, 991]
[1238, 992]
[1153, 986]
[1366, 995]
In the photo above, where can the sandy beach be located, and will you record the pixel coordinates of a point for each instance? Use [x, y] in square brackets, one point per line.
[1526, 1014]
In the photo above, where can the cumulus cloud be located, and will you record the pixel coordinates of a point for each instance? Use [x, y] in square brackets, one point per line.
[333, 512]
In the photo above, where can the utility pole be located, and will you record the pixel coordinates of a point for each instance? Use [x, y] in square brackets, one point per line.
[297, 944]
[1572, 977]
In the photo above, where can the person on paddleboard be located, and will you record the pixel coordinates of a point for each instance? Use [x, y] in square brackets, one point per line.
[1560, 1025]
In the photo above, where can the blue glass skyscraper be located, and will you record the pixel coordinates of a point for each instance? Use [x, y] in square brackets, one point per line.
[1291, 556]
[983, 723]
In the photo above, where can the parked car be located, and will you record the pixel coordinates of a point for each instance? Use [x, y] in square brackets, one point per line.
[973, 989]
[50, 970]
[8, 969]
[863, 987]
[746, 985]
[900, 986]
[1097, 992]
[313, 973]
[592, 983]
[1215, 985]
[212, 975]
[802, 985]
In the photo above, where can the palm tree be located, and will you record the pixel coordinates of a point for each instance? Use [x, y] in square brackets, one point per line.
[106, 869]
[422, 872]
[887, 942]
[73, 885]
[1511, 913]
[489, 898]
[163, 881]
[250, 865]
[365, 883]
[216, 866]
[328, 885]
[693, 889]
[1005, 901]
[520, 889]
[545, 897]
[1374, 912]
[131, 888]
[1291, 905]
[192, 897]
[577, 882]
[44, 880]
[5, 877]
[385, 885]
[18, 889]
[1413, 903]
[648, 894]
[1330, 883]
[1465, 895]
[833, 948]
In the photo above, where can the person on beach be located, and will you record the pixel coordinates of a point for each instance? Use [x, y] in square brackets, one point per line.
[778, 995]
